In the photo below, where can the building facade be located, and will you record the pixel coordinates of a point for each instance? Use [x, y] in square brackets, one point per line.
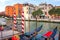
[17, 8]
[57, 6]
[9, 11]
[45, 8]
[28, 9]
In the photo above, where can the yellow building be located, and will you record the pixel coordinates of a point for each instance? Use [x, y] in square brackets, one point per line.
[26, 11]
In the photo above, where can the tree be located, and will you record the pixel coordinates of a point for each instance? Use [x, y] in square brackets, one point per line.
[55, 11]
[37, 13]
[58, 11]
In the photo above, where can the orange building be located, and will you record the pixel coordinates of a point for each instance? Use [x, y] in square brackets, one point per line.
[9, 10]
[17, 8]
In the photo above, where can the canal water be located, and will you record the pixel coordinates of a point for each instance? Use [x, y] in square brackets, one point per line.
[47, 26]
[31, 25]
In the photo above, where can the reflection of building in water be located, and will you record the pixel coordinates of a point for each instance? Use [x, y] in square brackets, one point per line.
[27, 26]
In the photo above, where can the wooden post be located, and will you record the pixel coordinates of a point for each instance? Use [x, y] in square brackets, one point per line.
[29, 24]
[14, 17]
[22, 22]
[25, 24]
[36, 21]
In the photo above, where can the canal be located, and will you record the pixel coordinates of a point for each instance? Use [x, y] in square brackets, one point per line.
[30, 26]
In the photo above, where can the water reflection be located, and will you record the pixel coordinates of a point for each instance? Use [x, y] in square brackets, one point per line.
[46, 26]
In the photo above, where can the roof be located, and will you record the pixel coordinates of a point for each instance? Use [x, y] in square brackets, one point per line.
[57, 6]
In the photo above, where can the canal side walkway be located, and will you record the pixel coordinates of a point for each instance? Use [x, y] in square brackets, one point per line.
[45, 20]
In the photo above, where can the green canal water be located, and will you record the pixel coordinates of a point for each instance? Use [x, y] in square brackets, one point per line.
[31, 25]
[47, 26]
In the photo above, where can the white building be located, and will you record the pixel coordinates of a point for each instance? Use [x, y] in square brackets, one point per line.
[28, 9]
[45, 8]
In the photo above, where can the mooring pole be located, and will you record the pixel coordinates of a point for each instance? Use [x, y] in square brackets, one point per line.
[29, 24]
[36, 25]
[22, 22]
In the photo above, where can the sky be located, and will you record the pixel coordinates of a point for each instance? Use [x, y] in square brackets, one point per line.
[4, 3]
